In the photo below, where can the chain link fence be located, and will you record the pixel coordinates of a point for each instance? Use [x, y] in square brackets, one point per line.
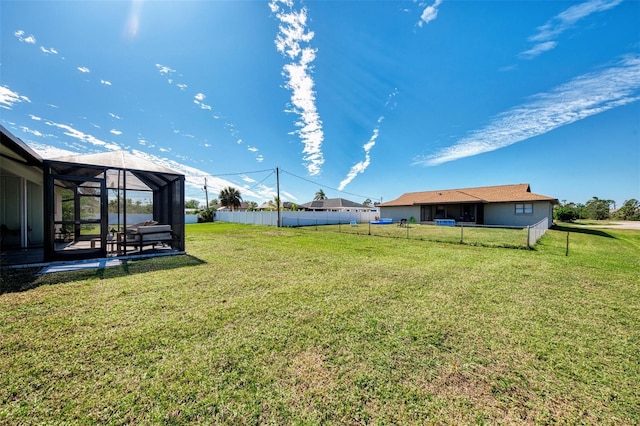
[479, 235]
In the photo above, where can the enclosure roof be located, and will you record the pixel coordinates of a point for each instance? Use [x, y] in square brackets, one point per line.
[16, 149]
[116, 160]
[486, 194]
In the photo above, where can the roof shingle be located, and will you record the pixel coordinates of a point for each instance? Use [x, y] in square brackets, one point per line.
[485, 194]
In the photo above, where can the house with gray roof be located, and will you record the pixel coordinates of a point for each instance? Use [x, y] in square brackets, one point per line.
[334, 205]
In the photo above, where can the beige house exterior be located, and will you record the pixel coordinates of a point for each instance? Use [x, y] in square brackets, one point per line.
[504, 205]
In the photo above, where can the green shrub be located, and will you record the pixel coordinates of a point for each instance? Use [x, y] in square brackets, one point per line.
[206, 215]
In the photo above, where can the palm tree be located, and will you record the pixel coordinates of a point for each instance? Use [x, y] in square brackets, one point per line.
[367, 202]
[230, 197]
[320, 195]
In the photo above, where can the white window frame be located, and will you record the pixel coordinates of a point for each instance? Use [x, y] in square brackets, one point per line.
[524, 208]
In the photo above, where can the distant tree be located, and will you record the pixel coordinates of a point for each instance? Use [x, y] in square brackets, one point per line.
[565, 212]
[367, 202]
[213, 202]
[192, 204]
[320, 195]
[630, 210]
[597, 209]
[252, 205]
[230, 197]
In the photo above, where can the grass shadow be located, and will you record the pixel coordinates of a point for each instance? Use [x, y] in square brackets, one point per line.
[588, 231]
[23, 279]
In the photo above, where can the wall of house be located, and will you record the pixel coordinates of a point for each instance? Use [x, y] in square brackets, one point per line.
[22, 201]
[400, 212]
[503, 214]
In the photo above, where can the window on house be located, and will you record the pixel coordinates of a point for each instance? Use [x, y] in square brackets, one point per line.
[524, 208]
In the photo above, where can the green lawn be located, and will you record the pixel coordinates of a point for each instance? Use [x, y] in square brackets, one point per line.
[260, 325]
[481, 236]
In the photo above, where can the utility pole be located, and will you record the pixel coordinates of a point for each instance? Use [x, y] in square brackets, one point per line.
[206, 193]
[278, 194]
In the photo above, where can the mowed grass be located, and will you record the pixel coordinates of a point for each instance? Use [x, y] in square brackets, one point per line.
[480, 236]
[261, 325]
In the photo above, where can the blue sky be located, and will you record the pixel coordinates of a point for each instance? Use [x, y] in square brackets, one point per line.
[362, 99]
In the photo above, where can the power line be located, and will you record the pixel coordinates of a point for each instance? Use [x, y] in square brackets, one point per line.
[231, 174]
[267, 177]
[328, 187]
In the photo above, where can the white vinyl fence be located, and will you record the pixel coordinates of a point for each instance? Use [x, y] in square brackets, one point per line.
[535, 232]
[299, 218]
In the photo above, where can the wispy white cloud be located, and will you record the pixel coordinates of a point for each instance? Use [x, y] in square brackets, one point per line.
[582, 97]
[116, 116]
[198, 100]
[181, 86]
[292, 42]
[164, 70]
[429, 13]
[247, 179]
[194, 178]
[544, 38]
[391, 102]
[31, 131]
[50, 51]
[35, 117]
[105, 82]
[361, 166]
[538, 49]
[48, 151]
[252, 149]
[8, 98]
[260, 158]
[29, 39]
[83, 69]
[83, 137]
[115, 132]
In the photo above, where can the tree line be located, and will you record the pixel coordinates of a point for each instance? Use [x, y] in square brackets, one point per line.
[597, 209]
[230, 197]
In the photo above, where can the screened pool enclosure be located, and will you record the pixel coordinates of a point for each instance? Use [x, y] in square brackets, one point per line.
[91, 201]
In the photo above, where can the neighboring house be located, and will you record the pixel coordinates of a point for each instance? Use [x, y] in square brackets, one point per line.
[244, 206]
[269, 206]
[505, 205]
[61, 206]
[334, 205]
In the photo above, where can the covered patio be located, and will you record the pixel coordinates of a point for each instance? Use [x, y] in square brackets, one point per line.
[104, 205]
[95, 203]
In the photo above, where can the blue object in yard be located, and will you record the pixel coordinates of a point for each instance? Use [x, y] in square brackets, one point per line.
[382, 222]
[445, 222]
